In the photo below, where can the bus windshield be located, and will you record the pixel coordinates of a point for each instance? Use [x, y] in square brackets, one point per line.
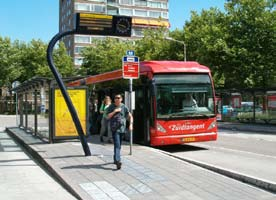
[184, 96]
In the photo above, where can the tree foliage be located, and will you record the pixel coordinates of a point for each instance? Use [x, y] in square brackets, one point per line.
[10, 55]
[252, 41]
[205, 39]
[237, 43]
[153, 46]
[21, 61]
[104, 55]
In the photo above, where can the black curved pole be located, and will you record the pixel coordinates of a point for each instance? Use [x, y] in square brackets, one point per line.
[64, 91]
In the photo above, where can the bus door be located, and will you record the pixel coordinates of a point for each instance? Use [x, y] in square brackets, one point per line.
[141, 115]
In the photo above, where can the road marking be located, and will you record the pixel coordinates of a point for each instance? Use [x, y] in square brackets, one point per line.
[234, 150]
[265, 137]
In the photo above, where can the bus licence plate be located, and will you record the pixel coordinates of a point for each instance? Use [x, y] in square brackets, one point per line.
[188, 139]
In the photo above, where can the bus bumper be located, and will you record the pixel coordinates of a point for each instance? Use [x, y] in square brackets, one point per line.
[182, 139]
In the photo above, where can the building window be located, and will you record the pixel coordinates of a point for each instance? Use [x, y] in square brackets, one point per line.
[99, 8]
[78, 49]
[164, 5]
[98, 0]
[165, 15]
[127, 12]
[137, 32]
[140, 13]
[126, 2]
[154, 14]
[82, 7]
[96, 39]
[82, 39]
[78, 61]
[113, 11]
[154, 4]
[112, 2]
[140, 3]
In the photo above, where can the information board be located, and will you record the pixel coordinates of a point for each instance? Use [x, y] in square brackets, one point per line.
[99, 24]
[130, 67]
[63, 123]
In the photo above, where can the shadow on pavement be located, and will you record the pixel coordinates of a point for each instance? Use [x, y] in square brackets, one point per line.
[181, 148]
[104, 166]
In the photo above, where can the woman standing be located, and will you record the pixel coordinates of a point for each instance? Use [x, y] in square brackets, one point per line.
[105, 121]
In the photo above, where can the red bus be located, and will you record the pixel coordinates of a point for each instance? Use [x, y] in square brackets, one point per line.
[174, 102]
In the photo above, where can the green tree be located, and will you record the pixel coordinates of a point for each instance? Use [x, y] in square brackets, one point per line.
[105, 55]
[251, 39]
[237, 43]
[10, 54]
[33, 59]
[205, 38]
[62, 61]
[20, 61]
[176, 49]
[153, 46]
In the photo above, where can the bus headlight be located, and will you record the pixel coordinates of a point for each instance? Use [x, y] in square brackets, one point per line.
[160, 128]
[212, 125]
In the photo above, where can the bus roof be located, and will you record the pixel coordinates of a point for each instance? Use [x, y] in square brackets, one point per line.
[172, 67]
[153, 67]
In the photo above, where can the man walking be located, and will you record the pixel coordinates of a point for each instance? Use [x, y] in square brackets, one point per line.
[118, 113]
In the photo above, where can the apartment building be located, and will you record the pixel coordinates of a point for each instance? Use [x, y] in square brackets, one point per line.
[145, 14]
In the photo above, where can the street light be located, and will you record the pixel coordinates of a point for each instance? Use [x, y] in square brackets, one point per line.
[181, 42]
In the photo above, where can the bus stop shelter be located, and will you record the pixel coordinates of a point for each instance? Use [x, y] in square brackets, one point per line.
[251, 105]
[39, 105]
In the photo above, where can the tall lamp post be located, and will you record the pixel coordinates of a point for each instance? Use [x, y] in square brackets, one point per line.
[181, 42]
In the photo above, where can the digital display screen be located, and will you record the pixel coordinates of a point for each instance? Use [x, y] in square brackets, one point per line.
[99, 24]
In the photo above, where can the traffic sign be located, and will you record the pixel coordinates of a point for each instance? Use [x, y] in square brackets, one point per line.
[130, 67]
[130, 53]
[130, 59]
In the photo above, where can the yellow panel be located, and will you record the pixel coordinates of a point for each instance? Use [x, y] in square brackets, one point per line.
[95, 16]
[64, 125]
[137, 21]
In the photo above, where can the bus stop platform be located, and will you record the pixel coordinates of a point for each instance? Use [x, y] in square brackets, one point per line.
[146, 174]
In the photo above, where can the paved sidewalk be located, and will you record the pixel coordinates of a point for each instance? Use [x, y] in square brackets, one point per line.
[147, 174]
[21, 178]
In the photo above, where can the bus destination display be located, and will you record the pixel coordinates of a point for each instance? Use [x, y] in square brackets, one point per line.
[99, 24]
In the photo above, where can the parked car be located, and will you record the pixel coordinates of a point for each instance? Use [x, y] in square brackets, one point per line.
[247, 106]
[226, 109]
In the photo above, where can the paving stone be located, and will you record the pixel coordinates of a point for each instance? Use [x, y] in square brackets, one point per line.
[147, 174]
[22, 178]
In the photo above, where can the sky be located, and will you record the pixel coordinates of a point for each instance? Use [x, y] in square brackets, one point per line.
[38, 19]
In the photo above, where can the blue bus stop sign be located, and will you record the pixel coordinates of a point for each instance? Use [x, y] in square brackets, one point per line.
[130, 53]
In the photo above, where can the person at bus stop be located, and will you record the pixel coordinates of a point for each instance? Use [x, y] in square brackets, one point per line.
[94, 115]
[105, 121]
[118, 110]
